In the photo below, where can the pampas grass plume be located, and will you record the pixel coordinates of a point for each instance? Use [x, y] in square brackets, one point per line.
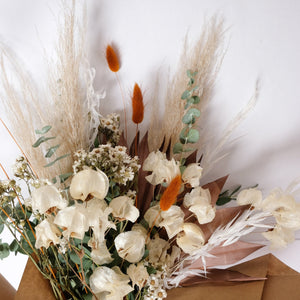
[112, 59]
[137, 105]
[170, 194]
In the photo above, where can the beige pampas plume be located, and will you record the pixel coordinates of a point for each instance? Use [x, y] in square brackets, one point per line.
[70, 105]
[205, 57]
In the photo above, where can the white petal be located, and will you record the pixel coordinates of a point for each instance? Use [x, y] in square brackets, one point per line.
[110, 283]
[89, 182]
[172, 220]
[130, 245]
[204, 213]
[101, 255]
[123, 208]
[250, 196]
[46, 233]
[191, 238]
[192, 174]
[138, 274]
[153, 215]
[46, 197]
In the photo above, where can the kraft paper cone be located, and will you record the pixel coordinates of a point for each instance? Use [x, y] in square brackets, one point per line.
[7, 292]
[33, 285]
[282, 283]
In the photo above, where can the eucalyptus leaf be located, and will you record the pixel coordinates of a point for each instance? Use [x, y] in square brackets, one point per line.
[186, 94]
[44, 130]
[1, 228]
[196, 99]
[191, 115]
[41, 140]
[64, 177]
[13, 247]
[74, 257]
[51, 151]
[193, 136]
[4, 250]
[178, 148]
[57, 159]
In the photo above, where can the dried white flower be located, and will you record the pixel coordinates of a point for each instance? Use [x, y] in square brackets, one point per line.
[172, 220]
[192, 174]
[138, 274]
[46, 233]
[46, 197]
[130, 245]
[140, 228]
[152, 216]
[250, 196]
[110, 283]
[163, 170]
[157, 248]
[101, 255]
[279, 237]
[191, 238]
[89, 182]
[124, 209]
[198, 201]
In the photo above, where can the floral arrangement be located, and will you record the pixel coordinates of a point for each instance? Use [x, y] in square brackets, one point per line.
[102, 219]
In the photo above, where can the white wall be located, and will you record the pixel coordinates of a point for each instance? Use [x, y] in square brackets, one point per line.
[262, 42]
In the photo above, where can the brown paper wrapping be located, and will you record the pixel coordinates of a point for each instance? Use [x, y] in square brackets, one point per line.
[282, 283]
[7, 292]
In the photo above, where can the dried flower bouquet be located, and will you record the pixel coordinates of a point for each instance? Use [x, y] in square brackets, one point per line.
[104, 220]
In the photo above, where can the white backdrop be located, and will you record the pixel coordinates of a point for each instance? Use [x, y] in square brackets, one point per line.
[262, 41]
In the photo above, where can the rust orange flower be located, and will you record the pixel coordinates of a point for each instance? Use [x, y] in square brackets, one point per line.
[137, 105]
[169, 196]
[112, 59]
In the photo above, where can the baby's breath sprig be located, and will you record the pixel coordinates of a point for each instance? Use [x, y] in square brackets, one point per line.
[189, 135]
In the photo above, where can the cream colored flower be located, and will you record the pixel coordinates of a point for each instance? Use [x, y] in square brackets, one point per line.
[138, 274]
[46, 233]
[198, 201]
[47, 197]
[191, 238]
[140, 228]
[192, 174]
[172, 220]
[110, 283]
[279, 237]
[74, 220]
[157, 249]
[124, 209]
[130, 245]
[250, 196]
[152, 216]
[101, 255]
[163, 170]
[89, 182]
[284, 208]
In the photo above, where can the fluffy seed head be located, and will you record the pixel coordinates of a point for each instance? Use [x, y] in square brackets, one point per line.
[112, 59]
[169, 196]
[137, 105]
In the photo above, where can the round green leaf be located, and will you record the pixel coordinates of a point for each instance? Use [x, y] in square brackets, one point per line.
[177, 148]
[191, 115]
[1, 227]
[4, 250]
[193, 136]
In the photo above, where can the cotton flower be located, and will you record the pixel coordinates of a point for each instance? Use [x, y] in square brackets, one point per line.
[101, 255]
[250, 196]
[163, 170]
[46, 197]
[138, 274]
[130, 245]
[191, 238]
[279, 237]
[46, 233]
[110, 283]
[198, 201]
[192, 175]
[89, 182]
[123, 208]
